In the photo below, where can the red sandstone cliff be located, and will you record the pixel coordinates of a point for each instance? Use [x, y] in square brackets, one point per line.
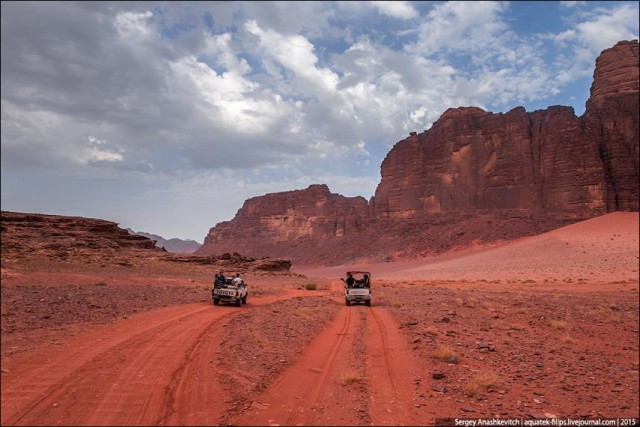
[547, 161]
[475, 176]
[286, 222]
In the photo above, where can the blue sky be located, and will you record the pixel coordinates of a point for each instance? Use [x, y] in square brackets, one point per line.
[165, 117]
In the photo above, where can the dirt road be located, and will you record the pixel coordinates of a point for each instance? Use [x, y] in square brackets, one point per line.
[156, 369]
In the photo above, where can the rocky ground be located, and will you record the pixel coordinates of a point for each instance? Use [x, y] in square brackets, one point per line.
[522, 352]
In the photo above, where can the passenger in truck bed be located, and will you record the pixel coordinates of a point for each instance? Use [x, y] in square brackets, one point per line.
[350, 280]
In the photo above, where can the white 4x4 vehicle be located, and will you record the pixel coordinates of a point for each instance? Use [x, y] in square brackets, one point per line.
[229, 293]
[358, 289]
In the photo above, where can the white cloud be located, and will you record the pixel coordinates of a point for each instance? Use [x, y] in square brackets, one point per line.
[608, 27]
[220, 46]
[570, 4]
[295, 53]
[134, 25]
[594, 31]
[231, 100]
[99, 151]
[396, 9]
[460, 26]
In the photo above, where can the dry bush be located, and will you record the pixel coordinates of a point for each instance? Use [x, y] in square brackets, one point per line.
[446, 354]
[557, 324]
[568, 340]
[483, 381]
[431, 330]
[350, 376]
[310, 286]
[459, 302]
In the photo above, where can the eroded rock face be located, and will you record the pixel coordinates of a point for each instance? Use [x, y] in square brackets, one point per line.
[546, 161]
[277, 222]
[611, 121]
[65, 238]
[471, 168]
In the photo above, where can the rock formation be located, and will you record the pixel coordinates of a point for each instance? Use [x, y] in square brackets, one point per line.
[38, 238]
[548, 161]
[288, 222]
[473, 177]
[67, 238]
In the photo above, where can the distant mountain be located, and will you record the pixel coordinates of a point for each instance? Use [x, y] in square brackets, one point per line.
[172, 245]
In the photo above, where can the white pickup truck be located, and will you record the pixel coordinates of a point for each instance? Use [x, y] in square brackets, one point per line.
[357, 287]
[229, 293]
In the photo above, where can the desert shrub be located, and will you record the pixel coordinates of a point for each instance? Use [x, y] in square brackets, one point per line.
[350, 376]
[310, 286]
[446, 354]
[557, 324]
[431, 330]
[481, 382]
[100, 284]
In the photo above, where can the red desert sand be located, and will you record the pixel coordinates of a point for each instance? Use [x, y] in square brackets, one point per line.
[543, 327]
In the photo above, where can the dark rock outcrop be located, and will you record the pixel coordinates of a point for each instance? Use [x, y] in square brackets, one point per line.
[473, 177]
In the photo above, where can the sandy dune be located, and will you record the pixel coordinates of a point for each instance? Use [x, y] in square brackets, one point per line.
[602, 249]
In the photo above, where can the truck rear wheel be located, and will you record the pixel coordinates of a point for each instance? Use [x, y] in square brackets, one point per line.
[238, 302]
[347, 301]
[368, 302]
[216, 302]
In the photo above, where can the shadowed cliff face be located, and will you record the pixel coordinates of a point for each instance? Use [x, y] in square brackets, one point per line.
[285, 220]
[474, 177]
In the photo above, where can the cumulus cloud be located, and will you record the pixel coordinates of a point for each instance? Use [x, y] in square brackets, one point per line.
[396, 9]
[466, 26]
[590, 33]
[99, 151]
[602, 28]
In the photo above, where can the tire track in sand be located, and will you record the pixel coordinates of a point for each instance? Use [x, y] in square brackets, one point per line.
[390, 372]
[130, 379]
[291, 398]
